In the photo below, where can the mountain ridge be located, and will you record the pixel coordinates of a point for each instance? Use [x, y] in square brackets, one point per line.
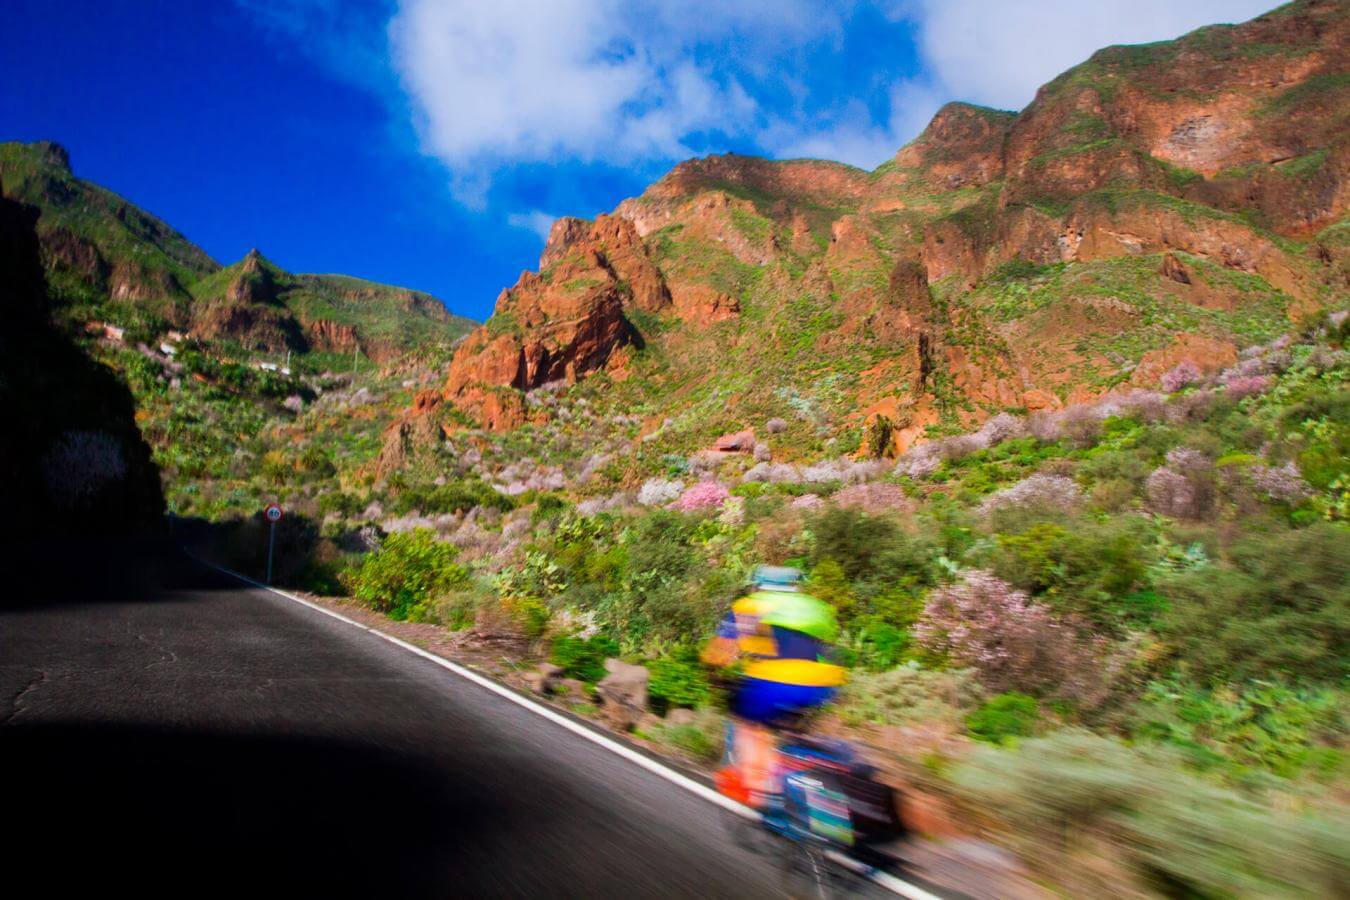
[1153, 200]
[107, 255]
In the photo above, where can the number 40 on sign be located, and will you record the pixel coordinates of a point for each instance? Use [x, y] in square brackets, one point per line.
[273, 514]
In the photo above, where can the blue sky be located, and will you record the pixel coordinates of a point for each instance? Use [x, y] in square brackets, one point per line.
[428, 143]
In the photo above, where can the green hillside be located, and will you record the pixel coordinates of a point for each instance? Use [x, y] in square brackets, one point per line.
[107, 259]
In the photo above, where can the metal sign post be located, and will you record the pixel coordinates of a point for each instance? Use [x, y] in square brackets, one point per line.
[273, 514]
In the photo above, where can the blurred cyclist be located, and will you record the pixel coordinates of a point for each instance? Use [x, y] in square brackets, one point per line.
[777, 638]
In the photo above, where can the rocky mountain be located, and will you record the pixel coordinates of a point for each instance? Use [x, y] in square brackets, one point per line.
[1156, 204]
[111, 260]
[260, 305]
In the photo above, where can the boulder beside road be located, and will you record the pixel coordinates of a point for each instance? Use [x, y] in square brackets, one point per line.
[623, 694]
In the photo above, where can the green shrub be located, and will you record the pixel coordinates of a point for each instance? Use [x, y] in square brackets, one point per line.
[870, 548]
[547, 507]
[677, 680]
[827, 582]
[529, 613]
[582, 658]
[454, 497]
[345, 505]
[1261, 726]
[314, 461]
[1091, 569]
[1278, 606]
[876, 644]
[457, 610]
[661, 587]
[408, 572]
[700, 740]
[1004, 717]
[323, 577]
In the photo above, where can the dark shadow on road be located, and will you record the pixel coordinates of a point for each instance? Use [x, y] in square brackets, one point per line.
[99, 570]
[154, 811]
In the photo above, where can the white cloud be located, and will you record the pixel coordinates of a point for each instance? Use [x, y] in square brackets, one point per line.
[501, 83]
[535, 220]
[511, 81]
[851, 136]
[998, 52]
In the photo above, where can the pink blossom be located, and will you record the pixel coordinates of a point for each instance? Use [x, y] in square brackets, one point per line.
[1039, 491]
[772, 473]
[704, 495]
[807, 502]
[1247, 386]
[657, 491]
[1178, 377]
[1011, 642]
[1283, 484]
[920, 461]
[1184, 487]
[1002, 427]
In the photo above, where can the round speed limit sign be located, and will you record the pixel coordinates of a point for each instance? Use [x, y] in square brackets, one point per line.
[273, 513]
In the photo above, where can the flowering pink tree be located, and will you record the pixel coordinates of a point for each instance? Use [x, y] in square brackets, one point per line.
[1040, 491]
[704, 495]
[1283, 484]
[1013, 644]
[1184, 487]
[1181, 375]
[1247, 386]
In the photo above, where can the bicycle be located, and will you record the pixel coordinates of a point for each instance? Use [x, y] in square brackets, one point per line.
[826, 821]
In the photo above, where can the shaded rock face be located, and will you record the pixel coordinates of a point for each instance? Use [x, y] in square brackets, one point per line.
[333, 336]
[73, 458]
[96, 241]
[253, 283]
[258, 325]
[249, 310]
[558, 324]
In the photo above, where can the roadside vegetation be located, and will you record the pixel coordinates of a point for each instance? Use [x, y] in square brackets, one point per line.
[1126, 619]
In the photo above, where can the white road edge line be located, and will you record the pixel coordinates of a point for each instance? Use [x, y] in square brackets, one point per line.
[890, 882]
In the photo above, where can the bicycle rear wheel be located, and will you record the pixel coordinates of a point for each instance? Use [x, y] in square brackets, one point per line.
[809, 875]
[749, 833]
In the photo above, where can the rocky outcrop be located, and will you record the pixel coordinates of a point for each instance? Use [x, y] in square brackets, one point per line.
[1211, 116]
[335, 337]
[253, 282]
[561, 323]
[623, 694]
[248, 309]
[963, 145]
[412, 434]
[797, 181]
[703, 304]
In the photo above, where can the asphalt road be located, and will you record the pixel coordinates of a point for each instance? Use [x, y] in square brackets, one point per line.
[165, 729]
